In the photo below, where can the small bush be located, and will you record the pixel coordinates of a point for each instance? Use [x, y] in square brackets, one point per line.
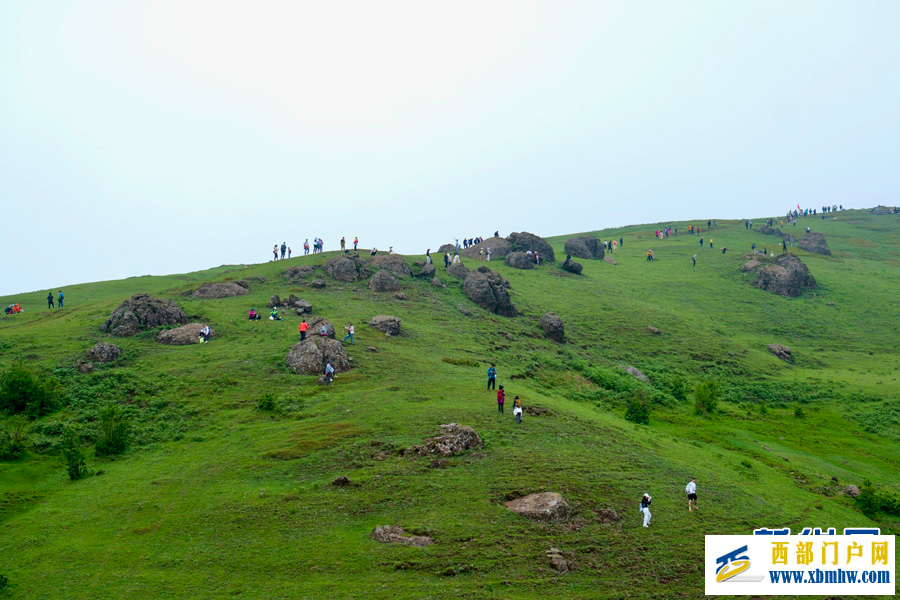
[800, 413]
[266, 401]
[73, 454]
[872, 500]
[13, 438]
[637, 410]
[679, 388]
[115, 432]
[746, 464]
[3, 581]
[25, 391]
[706, 396]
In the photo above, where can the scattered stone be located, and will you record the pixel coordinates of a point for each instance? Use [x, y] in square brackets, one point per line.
[488, 289]
[585, 247]
[254, 279]
[274, 301]
[610, 260]
[372, 349]
[458, 270]
[347, 268]
[103, 353]
[557, 560]
[393, 263]
[633, 371]
[455, 439]
[400, 296]
[535, 411]
[751, 265]
[852, 491]
[184, 335]
[310, 356]
[315, 326]
[498, 245]
[786, 275]
[782, 352]
[654, 330]
[829, 304]
[341, 481]
[317, 283]
[384, 281]
[386, 324]
[437, 283]
[85, 367]
[214, 291]
[391, 534]
[608, 516]
[303, 307]
[543, 506]
[528, 241]
[572, 267]
[143, 312]
[815, 243]
[427, 271]
[518, 260]
[298, 272]
[441, 463]
[553, 327]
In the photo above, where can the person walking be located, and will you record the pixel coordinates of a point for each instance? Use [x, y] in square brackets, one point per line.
[492, 377]
[501, 399]
[275, 252]
[710, 243]
[289, 251]
[691, 490]
[343, 243]
[306, 247]
[645, 509]
[283, 249]
[304, 327]
[517, 409]
[50, 300]
[355, 242]
[59, 300]
[329, 373]
[349, 329]
[701, 242]
[694, 258]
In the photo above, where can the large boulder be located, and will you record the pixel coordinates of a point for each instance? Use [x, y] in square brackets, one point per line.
[585, 247]
[572, 267]
[184, 335]
[275, 301]
[303, 307]
[225, 289]
[143, 312]
[782, 352]
[347, 268]
[528, 241]
[498, 245]
[815, 243]
[299, 272]
[315, 325]
[384, 281]
[446, 248]
[458, 270]
[786, 275]
[103, 353]
[488, 289]
[545, 506]
[553, 327]
[454, 439]
[393, 263]
[310, 356]
[427, 271]
[386, 324]
[518, 260]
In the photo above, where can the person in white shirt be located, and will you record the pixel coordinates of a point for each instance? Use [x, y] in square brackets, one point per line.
[691, 490]
[645, 509]
[350, 331]
[204, 334]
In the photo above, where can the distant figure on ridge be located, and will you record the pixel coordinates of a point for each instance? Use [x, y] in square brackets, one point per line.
[283, 249]
[343, 243]
[355, 242]
[275, 252]
[60, 299]
[50, 300]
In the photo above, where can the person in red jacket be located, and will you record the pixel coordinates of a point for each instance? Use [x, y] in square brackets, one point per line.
[304, 327]
[501, 398]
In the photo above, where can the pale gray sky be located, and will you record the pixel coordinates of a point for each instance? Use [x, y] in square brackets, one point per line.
[160, 137]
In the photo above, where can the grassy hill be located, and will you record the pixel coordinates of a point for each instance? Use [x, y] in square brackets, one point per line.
[219, 498]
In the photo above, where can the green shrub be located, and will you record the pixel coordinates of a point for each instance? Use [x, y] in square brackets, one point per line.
[115, 432]
[637, 409]
[679, 388]
[73, 454]
[800, 413]
[13, 438]
[25, 391]
[872, 500]
[266, 401]
[3, 581]
[706, 396]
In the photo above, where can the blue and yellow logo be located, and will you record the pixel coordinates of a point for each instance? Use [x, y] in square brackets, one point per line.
[732, 564]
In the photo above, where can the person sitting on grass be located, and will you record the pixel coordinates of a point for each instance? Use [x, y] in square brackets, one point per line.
[253, 315]
[273, 316]
[204, 334]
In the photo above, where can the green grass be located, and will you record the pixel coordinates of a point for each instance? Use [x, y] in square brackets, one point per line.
[218, 498]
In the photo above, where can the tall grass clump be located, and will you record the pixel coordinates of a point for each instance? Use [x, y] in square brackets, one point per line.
[706, 397]
[23, 390]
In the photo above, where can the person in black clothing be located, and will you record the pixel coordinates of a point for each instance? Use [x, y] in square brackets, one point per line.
[50, 300]
[283, 249]
[645, 509]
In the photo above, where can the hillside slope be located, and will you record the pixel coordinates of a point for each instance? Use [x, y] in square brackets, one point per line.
[219, 498]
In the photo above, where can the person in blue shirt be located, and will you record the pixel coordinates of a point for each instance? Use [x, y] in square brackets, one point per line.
[329, 373]
[59, 303]
[492, 377]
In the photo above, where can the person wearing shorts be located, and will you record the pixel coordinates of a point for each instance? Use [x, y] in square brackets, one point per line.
[691, 490]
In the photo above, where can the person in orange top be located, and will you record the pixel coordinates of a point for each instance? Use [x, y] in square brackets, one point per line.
[304, 327]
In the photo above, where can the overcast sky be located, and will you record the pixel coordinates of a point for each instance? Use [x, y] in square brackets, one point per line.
[164, 137]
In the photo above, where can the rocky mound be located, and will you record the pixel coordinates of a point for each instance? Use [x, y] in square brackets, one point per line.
[545, 506]
[310, 356]
[427, 271]
[446, 248]
[302, 307]
[103, 353]
[498, 245]
[585, 247]
[384, 281]
[391, 534]
[214, 291]
[298, 272]
[435, 282]
[488, 289]
[553, 327]
[524, 241]
[315, 324]
[347, 268]
[386, 324]
[786, 275]
[393, 263]
[610, 260]
[143, 312]
[184, 335]
[458, 270]
[815, 243]
[572, 267]
[518, 260]
[782, 352]
[455, 439]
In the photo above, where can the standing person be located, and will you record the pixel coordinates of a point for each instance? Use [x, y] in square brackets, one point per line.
[329, 373]
[701, 242]
[517, 409]
[446, 259]
[204, 334]
[691, 490]
[275, 252]
[645, 509]
[428, 256]
[50, 300]
[783, 246]
[492, 377]
[343, 243]
[349, 329]
[694, 258]
[306, 247]
[501, 399]
[455, 257]
[649, 255]
[710, 243]
[304, 327]
[283, 249]
[355, 242]
[60, 299]
[289, 251]
[620, 242]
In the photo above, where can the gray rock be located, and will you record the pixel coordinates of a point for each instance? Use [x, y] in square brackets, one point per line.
[585, 247]
[545, 506]
[427, 271]
[310, 356]
[458, 270]
[317, 283]
[610, 260]
[103, 353]
[852, 491]
[386, 324]
[274, 302]
[298, 272]
[528, 241]
[393, 263]
[499, 248]
[347, 268]
[572, 267]
[315, 325]
[384, 281]
[518, 260]
[446, 248]
[815, 243]
[553, 327]
[214, 291]
[454, 440]
[392, 534]
[437, 283]
[184, 335]
[637, 373]
[143, 312]
[786, 275]
[489, 290]
[653, 330]
[303, 307]
[782, 352]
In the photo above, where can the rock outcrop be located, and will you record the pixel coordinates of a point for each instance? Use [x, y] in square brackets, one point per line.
[518, 260]
[572, 267]
[103, 353]
[184, 335]
[585, 247]
[347, 268]
[435, 282]
[446, 248]
[785, 275]
[458, 270]
[384, 281]
[498, 245]
[310, 356]
[528, 241]
[214, 291]
[455, 439]
[427, 271]
[553, 327]
[299, 272]
[815, 243]
[315, 327]
[393, 263]
[782, 352]
[635, 372]
[545, 506]
[275, 301]
[489, 290]
[392, 534]
[386, 324]
[143, 312]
